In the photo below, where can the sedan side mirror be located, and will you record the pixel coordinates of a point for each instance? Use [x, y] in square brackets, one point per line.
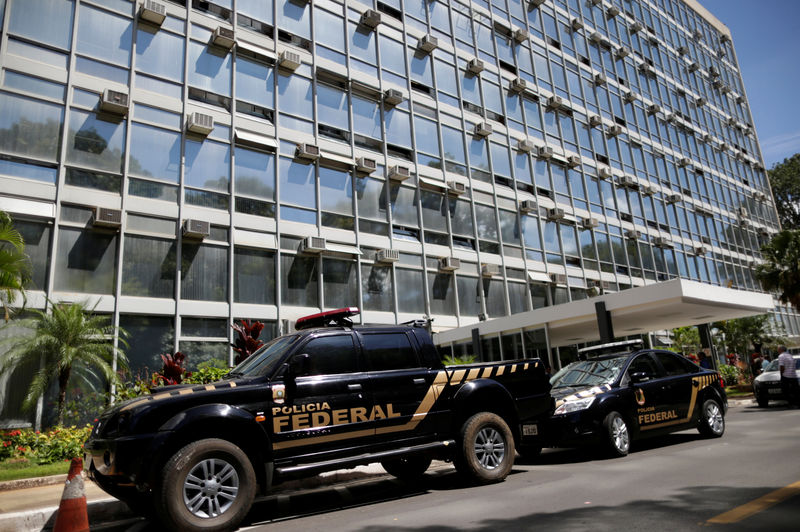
[639, 376]
[299, 365]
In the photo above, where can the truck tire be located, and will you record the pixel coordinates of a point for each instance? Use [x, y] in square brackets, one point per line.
[712, 420]
[407, 468]
[618, 437]
[208, 485]
[485, 448]
[762, 400]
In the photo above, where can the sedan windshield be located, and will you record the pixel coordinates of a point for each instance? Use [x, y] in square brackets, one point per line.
[589, 373]
[265, 360]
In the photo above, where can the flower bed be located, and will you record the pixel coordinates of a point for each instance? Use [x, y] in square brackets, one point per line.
[56, 445]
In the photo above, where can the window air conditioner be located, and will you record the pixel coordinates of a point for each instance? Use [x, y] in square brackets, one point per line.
[449, 264]
[289, 60]
[558, 278]
[525, 145]
[114, 102]
[387, 255]
[700, 250]
[627, 182]
[527, 206]
[102, 217]
[555, 102]
[153, 12]
[633, 234]
[577, 24]
[200, 123]
[399, 173]
[600, 79]
[636, 27]
[308, 152]
[604, 173]
[371, 18]
[595, 120]
[712, 70]
[682, 50]
[475, 66]
[198, 229]
[393, 97]
[482, 129]
[428, 44]
[456, 187]
[647, 190]
[517, 85]
[614, 130]
[573, 161]
[662, 242]
[544, 152]
[631, 97]
[590, 223]
[673, 198]
[742, 212]
[520, 36]
[489, 270]
[555, 214]
[533, 4]
[683, 162]
[623, 52]
[223, 37]
[596, 37]
[312, 244]
[653, 108]
[612, 11]
[366, 165]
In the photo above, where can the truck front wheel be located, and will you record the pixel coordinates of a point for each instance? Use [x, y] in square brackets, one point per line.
[485, 451]
[208, 485]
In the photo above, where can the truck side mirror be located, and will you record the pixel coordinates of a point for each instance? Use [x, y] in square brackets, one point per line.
[299, 365]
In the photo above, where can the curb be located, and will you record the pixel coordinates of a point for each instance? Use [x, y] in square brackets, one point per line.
[35, 482]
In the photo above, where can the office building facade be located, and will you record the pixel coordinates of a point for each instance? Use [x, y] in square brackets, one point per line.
[184, 164]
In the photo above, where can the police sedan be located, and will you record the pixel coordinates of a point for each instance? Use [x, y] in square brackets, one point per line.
[611, 399]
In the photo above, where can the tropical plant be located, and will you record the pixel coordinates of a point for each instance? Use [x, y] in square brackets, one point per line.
[450, 360]
[780, 272]
[15, 266]
[70, 340]
[745, 335]
[730, 374]
[685, 339]
[784, 180]
[247, 341]
[173, 370]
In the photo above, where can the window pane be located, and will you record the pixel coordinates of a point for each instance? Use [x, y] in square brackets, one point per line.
[104, 36]
[330, 355]
[149, 267]
[254, 276]
[389, 351]
[297, 184]
[85, 261]
[299, 281]
[204, 272]
[37, 247]
[95, 143]
[442, 293]
[47, 21]
[29, 127]
[155, 153]
[255, 82]
[207, 165]
[376, 287]
[339, 284]
[150, 337]
[254, 173]
[160, 53]
[209, 69]
[336, 191]
[411, 298]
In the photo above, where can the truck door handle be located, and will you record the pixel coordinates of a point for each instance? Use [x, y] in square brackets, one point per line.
[419, 381]
[354, 387]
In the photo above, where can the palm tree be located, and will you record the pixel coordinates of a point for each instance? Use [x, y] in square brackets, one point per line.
[15, 266]
[780, 271]
[70, 340]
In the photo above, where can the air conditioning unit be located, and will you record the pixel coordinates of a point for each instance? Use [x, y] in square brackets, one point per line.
[627, 181]
[595, 120]
[636, 27]
[662, 242]
[289, 60]
[604, 173]
[366, 165]
[482, 129]
[555, 214]
[700, 250]
[312, 244]
[371, 18]
[449, 264]
[724, 146]
[114, 102]
[520, 35]
[706, 137]
[631, 97]
[647, 190]
[525, 145]
[596, 37]
[527, 206]
[558, 278]
[399, 173]
[742, 212]
[647, 70]
[623, 52]
[717, 84]
[393, 97]
[725, 89]
[731, 121]
[387, 255]
[612, 11]
[740, 99]
[199, 229]
[763, 231]
[653, 108]
[475, 66]
[590, 223]
[683, 162]
[308, 152]
[555, 102]
[673, 198]
[633, 234]
[697, 35]
[544, 152]
[489, 270]
[533, 4]
[456, 187]
[577, 24]
[614, 130]
[600, 79]
[102, 217]
[200, 123]
[517, 85]
[712, 70]
[153, 12]
[223, 37]
[428, 44]
[693, 67]
[573, 161]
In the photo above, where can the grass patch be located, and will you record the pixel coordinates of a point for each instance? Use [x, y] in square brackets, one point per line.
[15, 469]
[733, 392]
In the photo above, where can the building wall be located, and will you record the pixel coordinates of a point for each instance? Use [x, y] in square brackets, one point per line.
[629, 116]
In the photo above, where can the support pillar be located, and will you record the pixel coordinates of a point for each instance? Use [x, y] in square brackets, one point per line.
[707, 343]
[477, 348]
[604, 324]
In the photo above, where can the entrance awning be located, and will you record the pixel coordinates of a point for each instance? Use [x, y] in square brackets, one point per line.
[654, 307]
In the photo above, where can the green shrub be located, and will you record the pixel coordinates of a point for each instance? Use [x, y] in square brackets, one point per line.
[456, 361]
[730, 374]
[206, 375]
[56, 445]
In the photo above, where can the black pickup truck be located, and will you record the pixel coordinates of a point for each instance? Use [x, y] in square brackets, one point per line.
[329, 396]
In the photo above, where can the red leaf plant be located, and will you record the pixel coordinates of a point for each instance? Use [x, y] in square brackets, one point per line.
[247, 341]
[173, 370]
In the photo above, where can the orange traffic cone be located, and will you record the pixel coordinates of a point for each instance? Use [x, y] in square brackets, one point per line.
[72, 514]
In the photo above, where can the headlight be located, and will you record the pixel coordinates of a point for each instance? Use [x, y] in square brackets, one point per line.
[574, 406]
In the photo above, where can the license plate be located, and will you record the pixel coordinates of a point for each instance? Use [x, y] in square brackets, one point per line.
[530, 430]
[774, 390]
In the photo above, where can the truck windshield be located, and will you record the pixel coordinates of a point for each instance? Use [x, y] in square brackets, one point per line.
[589, 373]
[266, 359]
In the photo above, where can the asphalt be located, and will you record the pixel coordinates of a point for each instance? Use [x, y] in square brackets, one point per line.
[29, 505]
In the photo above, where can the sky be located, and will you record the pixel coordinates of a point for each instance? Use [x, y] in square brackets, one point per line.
[766, 36]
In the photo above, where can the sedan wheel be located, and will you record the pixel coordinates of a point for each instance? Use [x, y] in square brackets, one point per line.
[618, 437]
[712, 421]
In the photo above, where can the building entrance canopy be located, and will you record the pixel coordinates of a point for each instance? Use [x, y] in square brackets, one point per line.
[640, 310]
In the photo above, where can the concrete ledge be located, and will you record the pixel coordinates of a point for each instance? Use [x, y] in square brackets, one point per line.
[24, 483]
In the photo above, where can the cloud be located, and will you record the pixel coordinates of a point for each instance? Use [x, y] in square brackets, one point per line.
[779, 147]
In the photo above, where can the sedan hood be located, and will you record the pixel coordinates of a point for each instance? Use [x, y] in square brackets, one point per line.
[769, 376]
[564, 395]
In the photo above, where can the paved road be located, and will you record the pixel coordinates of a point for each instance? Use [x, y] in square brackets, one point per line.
[679, 482]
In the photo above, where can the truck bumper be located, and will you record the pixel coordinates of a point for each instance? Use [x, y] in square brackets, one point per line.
[125, 460]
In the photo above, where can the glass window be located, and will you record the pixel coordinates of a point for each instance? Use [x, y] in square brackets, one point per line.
[155, 153]
[209, 69]
[339, 284]
[366, 117]
[104, 36]
[377, 288]
[404, 205]
[149, 266]
[297, 183]
[332, 107]
[29, 127]
[95, 143]
[254, 276]
[295, 18]
[295, 95]
[469, 303]
[336, 191]
[85, 261]
[330, 355]
[37, 247]
[47, 21]
[254, 173]
[442, 293]
[388, 351]
[371, 197]
[257, 9]
[204, 272]
[299, 281]
[149, 337]
[398, 128]
[393, 55]
[255, 82]
[411, 299]
[329, 29]
[207, 165]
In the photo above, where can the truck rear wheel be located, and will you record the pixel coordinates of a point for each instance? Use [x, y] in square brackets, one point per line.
[485, 451]
[208, 485]
[407, 468]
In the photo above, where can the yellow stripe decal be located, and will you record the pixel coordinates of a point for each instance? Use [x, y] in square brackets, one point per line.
[473, 374]
[698, 383]
[758, 505]
[487, 372]
[457, 376]
[501, 370]
[322, 439]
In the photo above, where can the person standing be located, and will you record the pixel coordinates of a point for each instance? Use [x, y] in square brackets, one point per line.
[788, 371]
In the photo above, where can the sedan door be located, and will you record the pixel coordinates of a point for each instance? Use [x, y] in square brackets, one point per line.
[647, 380]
